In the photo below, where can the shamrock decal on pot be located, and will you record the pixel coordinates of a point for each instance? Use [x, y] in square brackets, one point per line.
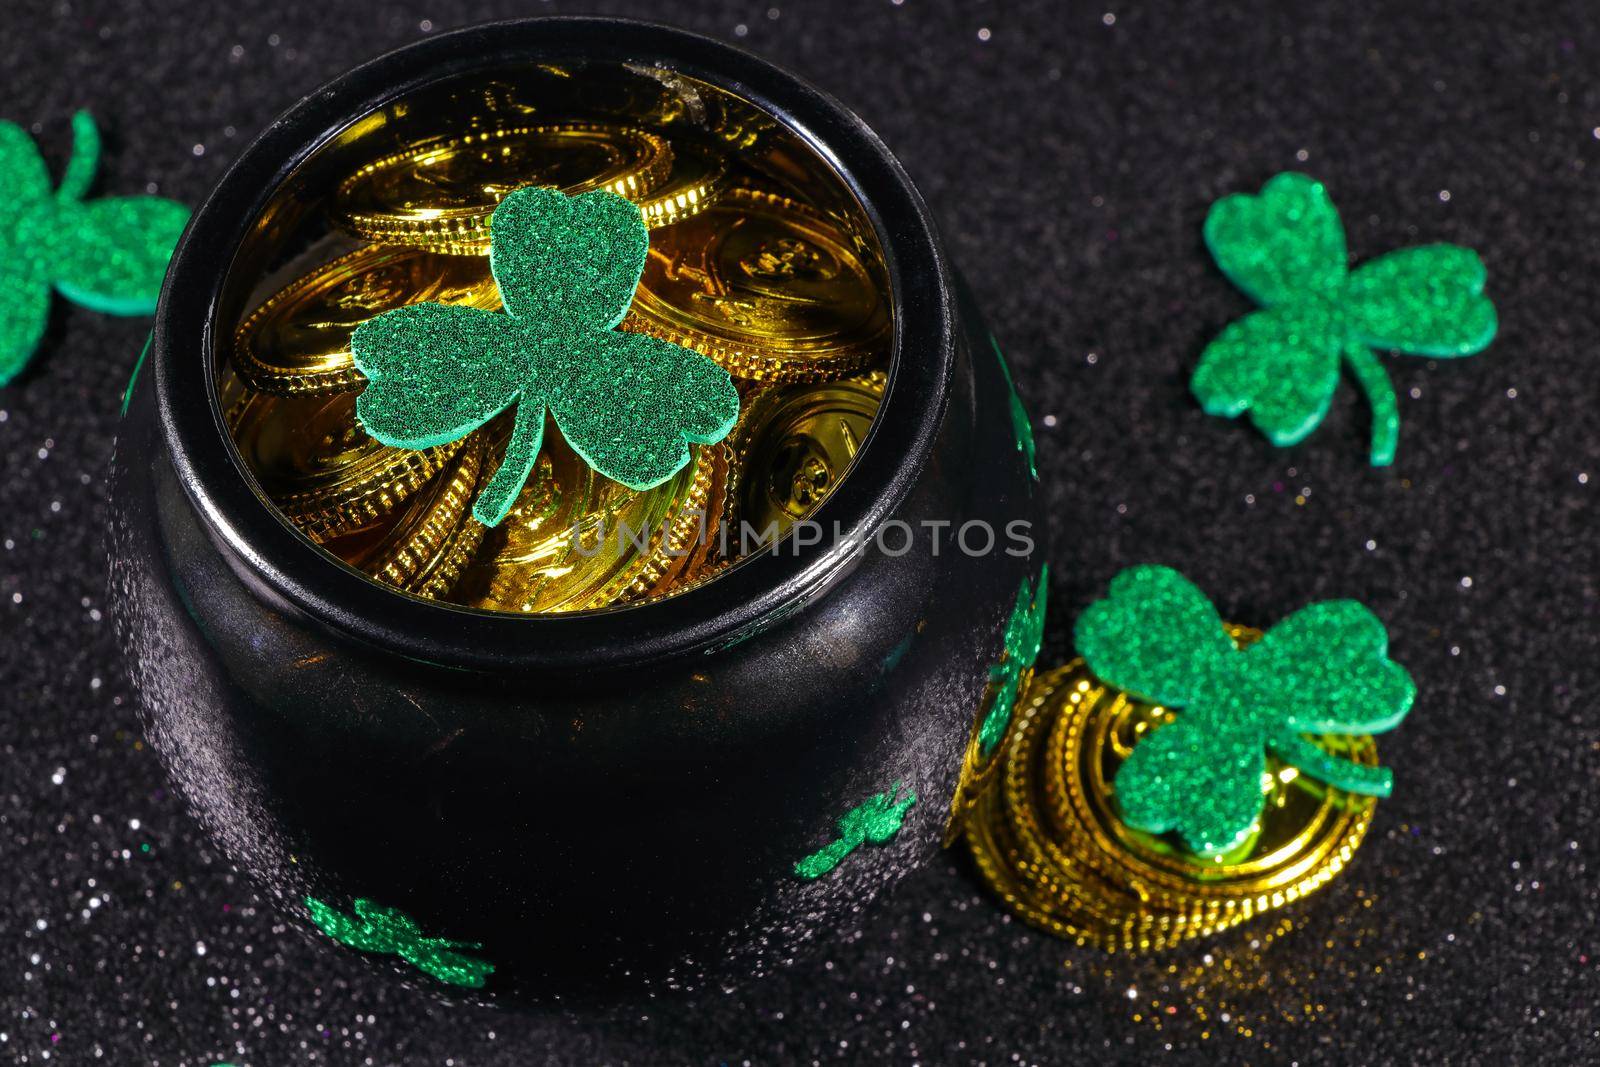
[1323, 670]
[1286, 249]
[1020, 426]
[109, 255]
[566, 268]
[376, 928]
[1023, 635]
[875, 820]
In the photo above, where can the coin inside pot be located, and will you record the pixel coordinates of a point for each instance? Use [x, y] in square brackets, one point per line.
[759, 257]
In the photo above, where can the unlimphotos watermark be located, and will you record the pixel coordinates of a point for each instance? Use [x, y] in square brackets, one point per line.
[896, 537]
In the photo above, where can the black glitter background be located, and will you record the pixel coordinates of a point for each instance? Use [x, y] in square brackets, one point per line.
[1069, 153]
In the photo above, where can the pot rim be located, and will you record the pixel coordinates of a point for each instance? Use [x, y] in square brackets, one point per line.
[278, 562]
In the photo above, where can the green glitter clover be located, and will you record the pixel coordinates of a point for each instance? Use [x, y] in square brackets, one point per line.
[390, 930]
[1020, 426]
[566, 267]
[108, 255]
[1286, 249]
[1323, 670]
[876, 820]
[1023, 635]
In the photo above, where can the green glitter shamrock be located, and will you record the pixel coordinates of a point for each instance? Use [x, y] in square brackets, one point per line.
[109, 255]
[1286, 249]
[1019, 414]
[876, 820]
[566, 267]
[390, 930]
[1323, 670]
[1023, 636]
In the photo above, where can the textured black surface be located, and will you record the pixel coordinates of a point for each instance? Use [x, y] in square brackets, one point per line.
[1069, 158]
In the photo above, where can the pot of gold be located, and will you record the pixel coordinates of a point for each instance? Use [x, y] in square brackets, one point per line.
[567, 514]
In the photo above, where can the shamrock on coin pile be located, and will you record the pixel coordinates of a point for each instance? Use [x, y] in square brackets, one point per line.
[376, 928]
[1286, 249]
[109, 255]
[566, 268]
[1323, 670]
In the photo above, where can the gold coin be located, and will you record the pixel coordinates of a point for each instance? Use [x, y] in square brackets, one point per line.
[1067, 909]
[439, 576]
[1305, 835]
[576, 540]
[998, 858]
[440, 195]
[766, 287]
[410, 547]
[313, 459]
[697, 180]
[1048, 840]
[739, 124]
[1066, 878]
[979, 771]
[690, 536]
[299, 340]
[690, 578]
[796, 444]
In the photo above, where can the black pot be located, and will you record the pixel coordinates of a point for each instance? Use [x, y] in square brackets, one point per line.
[607, 800]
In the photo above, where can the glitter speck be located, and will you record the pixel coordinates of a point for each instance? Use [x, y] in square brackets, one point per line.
[983, 33]
[1466, 582]
[1110, 19]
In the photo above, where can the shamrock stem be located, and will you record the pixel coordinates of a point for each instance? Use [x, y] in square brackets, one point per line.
[83, 162]
[515, 466]
[825, 859]
[1340, 773]
[1374, 381]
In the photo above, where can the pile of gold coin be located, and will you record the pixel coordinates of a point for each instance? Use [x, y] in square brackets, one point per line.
[1045, 834]
[752, 262]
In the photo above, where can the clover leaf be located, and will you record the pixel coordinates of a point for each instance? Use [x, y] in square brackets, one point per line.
[566, 268]
[109, 255]
[1323, 670]
[376, 928]
[1024, 634]
[875, 820]
[1020, 426]
[1286, 249]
